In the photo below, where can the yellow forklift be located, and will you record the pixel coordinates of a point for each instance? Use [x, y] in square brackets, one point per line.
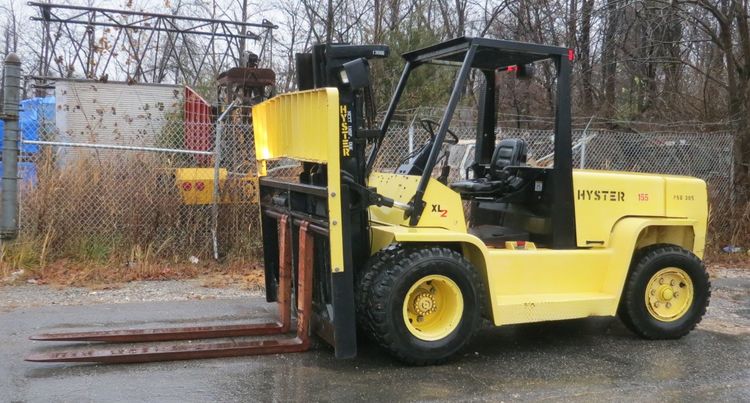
[394, 255]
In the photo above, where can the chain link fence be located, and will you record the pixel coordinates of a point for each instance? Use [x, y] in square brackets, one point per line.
[133, 202]
[705, 155]
[142, 194]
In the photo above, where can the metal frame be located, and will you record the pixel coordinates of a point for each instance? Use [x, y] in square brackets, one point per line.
[116, 147]
[465, 53]
[167, 35]
[341, 334]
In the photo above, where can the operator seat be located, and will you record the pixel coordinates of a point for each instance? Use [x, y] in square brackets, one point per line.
[509, 152]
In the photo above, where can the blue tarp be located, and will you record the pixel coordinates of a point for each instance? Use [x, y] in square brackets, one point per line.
[36, 116]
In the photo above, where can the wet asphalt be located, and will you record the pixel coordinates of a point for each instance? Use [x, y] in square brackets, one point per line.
[593, 359]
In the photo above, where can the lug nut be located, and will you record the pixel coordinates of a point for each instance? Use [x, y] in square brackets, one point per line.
[676, 294]
[656, 304]
[661, 281]
[671, 283]
[669, 304]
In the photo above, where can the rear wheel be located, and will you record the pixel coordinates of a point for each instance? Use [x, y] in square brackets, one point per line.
[426, 305]
[666, 294]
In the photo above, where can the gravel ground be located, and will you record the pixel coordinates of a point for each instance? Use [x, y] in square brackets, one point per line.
[729, 309]
[28, 295]
[587, 360]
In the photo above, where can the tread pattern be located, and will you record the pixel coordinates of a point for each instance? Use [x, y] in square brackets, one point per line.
[632, 294]
[376, 264]
[383, 283]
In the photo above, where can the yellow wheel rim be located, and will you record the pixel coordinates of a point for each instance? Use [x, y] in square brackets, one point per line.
[669, 294]
[433, 307]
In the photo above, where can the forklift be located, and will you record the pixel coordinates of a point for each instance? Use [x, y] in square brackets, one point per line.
[394, 256]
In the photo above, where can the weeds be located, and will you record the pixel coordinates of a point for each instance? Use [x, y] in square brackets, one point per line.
[101, 216]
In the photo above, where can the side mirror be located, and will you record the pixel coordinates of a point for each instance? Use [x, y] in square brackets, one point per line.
[356, 73]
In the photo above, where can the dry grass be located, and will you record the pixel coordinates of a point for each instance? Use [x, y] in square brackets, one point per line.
[102, 204]
[105, 217]
[731, 227]
[66, 272]
[728, 226]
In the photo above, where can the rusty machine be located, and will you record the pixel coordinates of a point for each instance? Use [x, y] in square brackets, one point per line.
[241, 87]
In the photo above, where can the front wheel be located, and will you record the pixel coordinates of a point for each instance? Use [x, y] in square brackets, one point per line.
[426, 305]
[666, 293]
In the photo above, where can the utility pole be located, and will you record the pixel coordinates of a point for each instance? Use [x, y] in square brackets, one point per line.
[11, 99]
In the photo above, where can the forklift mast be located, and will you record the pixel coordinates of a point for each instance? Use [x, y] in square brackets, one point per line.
[326, 66]
[346, 68]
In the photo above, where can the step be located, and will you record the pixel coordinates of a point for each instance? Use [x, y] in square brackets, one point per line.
[527, 308]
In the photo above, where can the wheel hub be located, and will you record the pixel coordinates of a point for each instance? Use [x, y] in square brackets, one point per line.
[669, 294]
[666, 294]
[433, 307]
[424, 304]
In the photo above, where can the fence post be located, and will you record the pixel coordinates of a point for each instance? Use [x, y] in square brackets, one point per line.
[11, 99]
[217, 177]
[411, 141]
[731, 174]
[584, 141]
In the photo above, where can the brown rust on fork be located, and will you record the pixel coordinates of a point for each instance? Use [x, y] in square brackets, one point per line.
[206, 332]
[166, 334]
[299, 343]
[304, 285]
[285, 273]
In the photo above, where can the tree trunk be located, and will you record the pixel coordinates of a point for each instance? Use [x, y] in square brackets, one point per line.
[584, 56]
[329, 22]
[739, 106]
[609, 59]
[572, 24]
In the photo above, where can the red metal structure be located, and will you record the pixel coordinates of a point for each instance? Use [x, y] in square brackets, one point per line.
[198, 124]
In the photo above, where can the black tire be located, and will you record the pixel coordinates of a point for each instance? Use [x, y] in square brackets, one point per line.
[377, 263]
[647, 262]
[384, 308]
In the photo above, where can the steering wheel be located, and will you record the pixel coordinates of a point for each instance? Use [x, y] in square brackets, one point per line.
[429, 125]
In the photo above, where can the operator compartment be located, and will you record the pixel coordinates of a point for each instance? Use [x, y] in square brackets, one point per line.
[511, 202]
[507, 200]
[519, 213]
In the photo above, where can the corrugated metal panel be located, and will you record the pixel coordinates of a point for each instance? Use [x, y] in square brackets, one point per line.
[116, 113]
[198, 124]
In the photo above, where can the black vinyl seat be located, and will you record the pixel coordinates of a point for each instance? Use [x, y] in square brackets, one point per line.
[509, 152]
